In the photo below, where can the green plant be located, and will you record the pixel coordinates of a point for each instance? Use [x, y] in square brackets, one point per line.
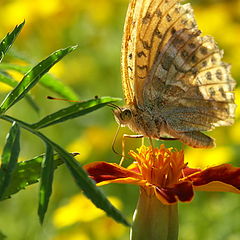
[14, 175]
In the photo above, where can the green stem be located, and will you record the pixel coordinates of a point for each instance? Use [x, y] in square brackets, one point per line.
[154, 220]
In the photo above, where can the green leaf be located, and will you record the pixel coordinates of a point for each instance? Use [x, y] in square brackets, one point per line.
[45, 182]
[7, 42]
[83, 181]
[89, 187]
[4, 78]
[9, 157]
[2, 236]
[18, 68]
[28, 172]
[48, 81]
[32, 77]
[74, 111]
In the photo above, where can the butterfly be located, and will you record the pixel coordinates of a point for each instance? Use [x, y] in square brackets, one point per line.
[174, 80]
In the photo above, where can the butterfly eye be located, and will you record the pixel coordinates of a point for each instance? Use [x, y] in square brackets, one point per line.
[126, 115]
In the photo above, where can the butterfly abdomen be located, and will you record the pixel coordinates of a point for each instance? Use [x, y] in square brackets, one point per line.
[196, 139]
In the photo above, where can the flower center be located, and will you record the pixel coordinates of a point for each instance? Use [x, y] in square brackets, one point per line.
[161, 167]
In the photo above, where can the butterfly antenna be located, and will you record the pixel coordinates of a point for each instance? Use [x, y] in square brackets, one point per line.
[114, 106]
[62, 99]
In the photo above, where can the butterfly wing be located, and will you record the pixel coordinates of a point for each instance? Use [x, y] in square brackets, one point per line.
[200, 83]
[168, 65]
[148, 27]
[127, 51]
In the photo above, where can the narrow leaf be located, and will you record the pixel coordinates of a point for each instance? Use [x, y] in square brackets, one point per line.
[83, 181]
[15, 67]
[9, 157]
[7, 79]
[4, 78]
[7, 42]
[32, 77]
[89, 187]
[45, 190]
[74, 111]
[27, 173]
[48, 81]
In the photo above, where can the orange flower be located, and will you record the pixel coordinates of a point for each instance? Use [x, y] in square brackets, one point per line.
[163, 173]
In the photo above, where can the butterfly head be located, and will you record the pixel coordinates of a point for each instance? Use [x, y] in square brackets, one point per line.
[122, 115]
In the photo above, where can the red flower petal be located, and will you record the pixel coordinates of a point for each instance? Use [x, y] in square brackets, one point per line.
[225, 173]
[182, 191]
[188, 171]
[103, 171]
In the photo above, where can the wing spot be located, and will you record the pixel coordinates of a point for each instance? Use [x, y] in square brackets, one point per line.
[193, 24]
[169, 18]
[177, 10]
[167, 62]
[184, 21]
[213, 60]
[130, 56]
[222, 92]
[211, 91]
[159, 13]
[192, 45]
[208, 76]
[194, 70]
[146, 45]
[219, 75]
[203, 50]
[178, 41]
[130, 68]
[198, 80]
[140, 54]
[194, 59]
[158, 33]
[184, 54]
[146, 19]
[142, 67]
[173, 30]
[204, 63]
[141, 77]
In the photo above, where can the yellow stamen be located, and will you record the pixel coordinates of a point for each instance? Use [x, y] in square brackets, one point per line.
[159, 166]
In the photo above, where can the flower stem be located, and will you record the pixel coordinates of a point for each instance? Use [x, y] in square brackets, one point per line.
[154, 220]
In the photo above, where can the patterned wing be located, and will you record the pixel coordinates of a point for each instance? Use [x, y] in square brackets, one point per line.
[148, 28]
[128, 56]
[167, 65]
[184, 75]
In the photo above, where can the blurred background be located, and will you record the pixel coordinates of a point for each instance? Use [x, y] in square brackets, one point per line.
[94, 69]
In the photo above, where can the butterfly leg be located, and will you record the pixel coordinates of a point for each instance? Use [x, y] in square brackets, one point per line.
[151, 142]
[123, 145]
[152, 145]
